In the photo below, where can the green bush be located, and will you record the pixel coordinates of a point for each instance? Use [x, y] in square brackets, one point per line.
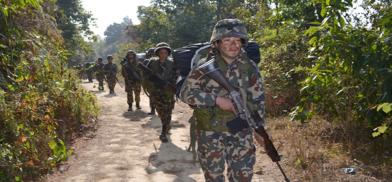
[42, 105]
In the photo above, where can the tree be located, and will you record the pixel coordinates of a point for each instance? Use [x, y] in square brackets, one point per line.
[74, 23]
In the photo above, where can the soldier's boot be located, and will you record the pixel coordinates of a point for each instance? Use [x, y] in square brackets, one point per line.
[129, 107]
[168, 130]
[138, 106]
[163, 136]
[152, 111]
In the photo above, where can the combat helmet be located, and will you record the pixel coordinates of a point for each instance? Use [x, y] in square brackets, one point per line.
[131, 52]
[162, 45]
[109, 57]
[229, 28]
[150, 52]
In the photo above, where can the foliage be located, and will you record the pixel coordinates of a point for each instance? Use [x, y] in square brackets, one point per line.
[41, 104]
[352, 72]
[175, 22]
[74, 21]
[116, 35]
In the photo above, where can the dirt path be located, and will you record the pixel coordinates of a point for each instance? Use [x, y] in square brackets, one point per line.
[126, 147]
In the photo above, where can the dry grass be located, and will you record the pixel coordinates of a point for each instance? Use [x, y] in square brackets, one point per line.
[319, 150]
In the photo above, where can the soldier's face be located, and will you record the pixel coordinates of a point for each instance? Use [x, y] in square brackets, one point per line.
[230, 47]
[163, 54]
[130, 56]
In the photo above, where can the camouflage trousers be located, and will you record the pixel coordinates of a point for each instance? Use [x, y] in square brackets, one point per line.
[133, 88]
[111, 83]
[100, 82]
[217, 148]
[164, 106]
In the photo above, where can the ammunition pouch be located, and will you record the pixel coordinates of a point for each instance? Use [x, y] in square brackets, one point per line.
[212, 119]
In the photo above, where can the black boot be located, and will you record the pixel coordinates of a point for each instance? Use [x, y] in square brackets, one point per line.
[163, 136]
[129, 107]
[152, 111]
[138, 106]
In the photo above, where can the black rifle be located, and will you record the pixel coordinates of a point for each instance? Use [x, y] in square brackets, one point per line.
[212, 70]
[131, 73]
[157, 79]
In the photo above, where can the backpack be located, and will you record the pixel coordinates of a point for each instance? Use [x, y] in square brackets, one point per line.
[185, 58]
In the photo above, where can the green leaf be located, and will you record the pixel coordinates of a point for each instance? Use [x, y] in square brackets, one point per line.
[328, 2]
[375, 134]
[382, 128]
[52, 145]
[386, 107]
[323, 10]
[18, 178]
[312, 30]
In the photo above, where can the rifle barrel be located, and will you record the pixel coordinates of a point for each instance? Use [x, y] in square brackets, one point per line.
[284, 174]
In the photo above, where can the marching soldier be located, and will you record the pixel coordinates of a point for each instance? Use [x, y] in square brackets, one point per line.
[214, 111]
[162, 94]
[99, 73]
[148, 85]
[133, 77]
[110, 72]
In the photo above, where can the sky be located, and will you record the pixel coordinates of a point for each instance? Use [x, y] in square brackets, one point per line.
[107, 12]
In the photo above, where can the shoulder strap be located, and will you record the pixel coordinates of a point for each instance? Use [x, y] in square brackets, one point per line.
[197, 55]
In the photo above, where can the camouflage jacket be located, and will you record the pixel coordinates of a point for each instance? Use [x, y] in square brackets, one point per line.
[98, 69]
[110, 70]
[130, 71]
[200, 92]
[166, 72]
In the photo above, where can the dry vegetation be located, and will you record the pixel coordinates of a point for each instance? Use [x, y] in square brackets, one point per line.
[319, 151]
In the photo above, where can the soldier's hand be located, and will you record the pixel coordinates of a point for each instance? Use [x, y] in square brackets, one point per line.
[225, 104]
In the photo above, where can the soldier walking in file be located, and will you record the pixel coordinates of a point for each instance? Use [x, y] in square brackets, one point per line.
[111, 74]
[132, 75]
[214, 111]
[99, 73]
[162, 94]
[148, 85]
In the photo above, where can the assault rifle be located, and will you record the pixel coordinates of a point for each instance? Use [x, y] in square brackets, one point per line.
[243, 114]
[157, 79]
[131, 73]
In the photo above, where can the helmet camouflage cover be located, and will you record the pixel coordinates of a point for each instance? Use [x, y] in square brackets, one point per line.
[131, 52]
[162, 45]
[229, 28]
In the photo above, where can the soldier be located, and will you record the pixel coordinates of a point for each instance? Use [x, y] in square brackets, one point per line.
[132, 76]
[99, 73]
[147, 85]
[89, 72]
[213, 108]
[162, 94]
[110, 72]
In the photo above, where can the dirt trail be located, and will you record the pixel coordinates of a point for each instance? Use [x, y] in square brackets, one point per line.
[126, 147]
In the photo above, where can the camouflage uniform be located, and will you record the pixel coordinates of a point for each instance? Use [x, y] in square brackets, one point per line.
[110, 73]
[148, 85]
[132, 76]
[89, 72]
[99, 73]
[216, 145]
[163, 94]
